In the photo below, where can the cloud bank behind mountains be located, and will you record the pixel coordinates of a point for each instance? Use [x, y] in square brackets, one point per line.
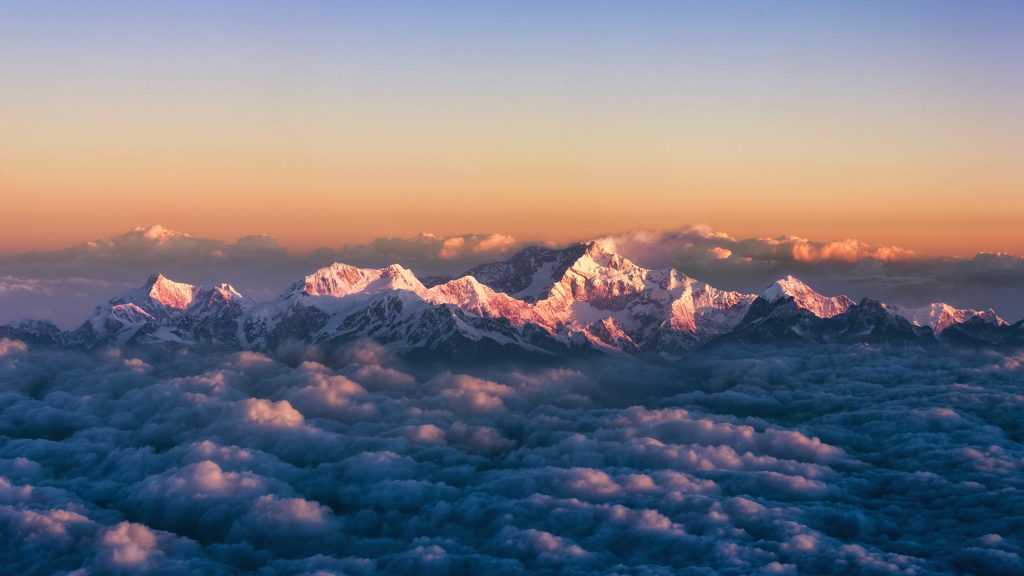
[857, 269]
[831, 461]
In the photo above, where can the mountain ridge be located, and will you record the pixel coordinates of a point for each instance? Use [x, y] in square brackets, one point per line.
[539, 301]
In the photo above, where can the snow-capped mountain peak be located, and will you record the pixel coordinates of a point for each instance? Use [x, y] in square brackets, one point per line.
[469, 294]
[596, 256]
[788, 287]
[939, 316]
[465, 287]
[168, 293]
[228, 291]
[589, 288]
[599, 275]
[805, 297]
[339, 280]
[530, 273]
[558, 296]
[165, 311]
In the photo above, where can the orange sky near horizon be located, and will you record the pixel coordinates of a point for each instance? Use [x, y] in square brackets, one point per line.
[306, 215]
[948, 203]
[325, 125]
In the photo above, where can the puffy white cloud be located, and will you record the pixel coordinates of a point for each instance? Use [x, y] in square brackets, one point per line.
[202, 480]
[471, 394]
[330, 395]
[804, 250]
[477, 439]
[539, 545]
[492, 245]
[698, 243]
[266, 412]
[9, 347]
[429, 253]
[129, 545]
[55, 524]
[156, 242]
[425, 433]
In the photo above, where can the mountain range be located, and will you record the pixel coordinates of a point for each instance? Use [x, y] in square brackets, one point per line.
[540, 301]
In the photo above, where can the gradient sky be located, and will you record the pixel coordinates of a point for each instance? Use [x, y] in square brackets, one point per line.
[322, 123]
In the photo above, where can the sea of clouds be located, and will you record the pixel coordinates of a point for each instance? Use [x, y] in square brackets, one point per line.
[755, 460]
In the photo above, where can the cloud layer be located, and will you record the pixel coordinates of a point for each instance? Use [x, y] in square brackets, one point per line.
[746, 461]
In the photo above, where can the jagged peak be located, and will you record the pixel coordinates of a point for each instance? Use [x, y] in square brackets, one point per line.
[937, 309]
[867, 302]
[786, 287]
[599, 251]
[596, 248]
[128, 310]
[228, 290]
[330, 279]
[397, 270]
[606, 332]
[339, 280]
[335, 267]
[467, 289]
[939, 315]
[467, 280]
[672, 279]
[806, 297]
[220, 293]
[167, 292]
[594, 257]
[34, 325]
